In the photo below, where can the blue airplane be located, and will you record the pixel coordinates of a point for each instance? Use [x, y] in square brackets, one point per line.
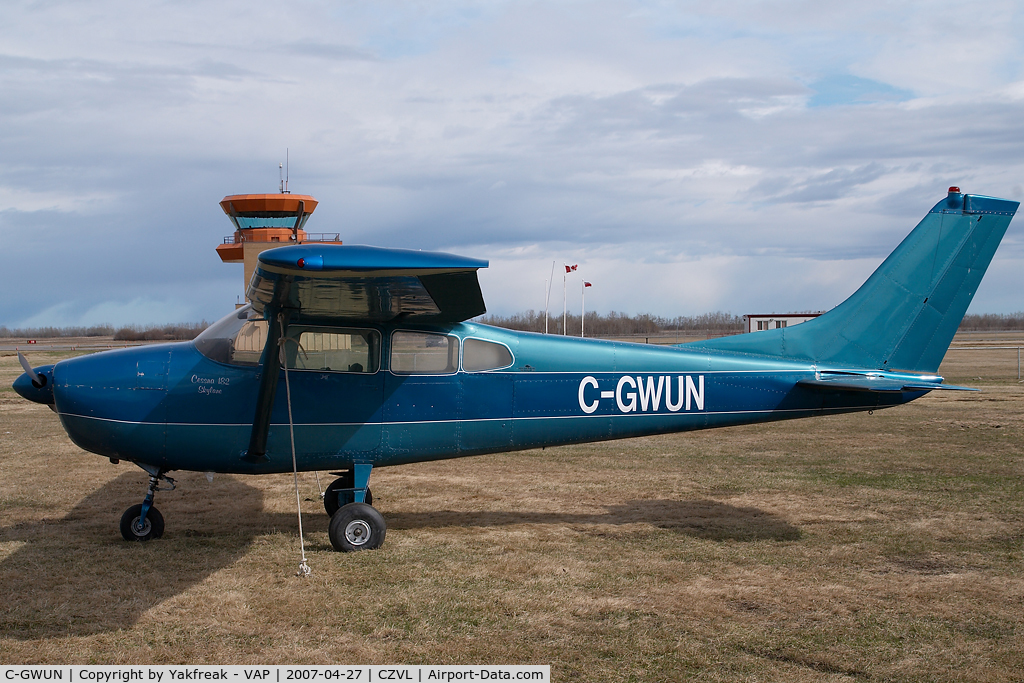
[354, 357]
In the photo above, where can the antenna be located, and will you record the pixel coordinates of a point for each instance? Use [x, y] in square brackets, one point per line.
[282, 173]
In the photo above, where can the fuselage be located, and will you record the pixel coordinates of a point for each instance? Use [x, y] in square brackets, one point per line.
[418, 393]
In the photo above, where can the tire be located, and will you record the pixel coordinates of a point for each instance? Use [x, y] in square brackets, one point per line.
[331, 495]
[154, 527]
[357, 526]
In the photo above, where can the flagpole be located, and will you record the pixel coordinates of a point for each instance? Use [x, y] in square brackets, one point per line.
[547, 297]
[583, 306]
[563, 302]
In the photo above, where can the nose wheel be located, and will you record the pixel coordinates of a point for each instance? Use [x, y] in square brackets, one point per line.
[143, 522]
[136, 528]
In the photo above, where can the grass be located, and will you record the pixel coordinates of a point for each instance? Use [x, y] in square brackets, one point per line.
[858, 547]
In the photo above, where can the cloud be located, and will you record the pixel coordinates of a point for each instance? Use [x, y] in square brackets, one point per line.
[40, 199]
[822, 186]
[723, 151]
[136, 311]
[341, 53]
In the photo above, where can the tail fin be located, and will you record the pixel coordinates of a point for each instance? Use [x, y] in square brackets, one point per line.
[905, 315]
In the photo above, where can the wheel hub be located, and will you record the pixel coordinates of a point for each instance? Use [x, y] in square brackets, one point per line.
[141, 529]
[357, 532]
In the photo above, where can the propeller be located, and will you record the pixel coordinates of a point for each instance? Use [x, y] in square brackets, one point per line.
[36, 378]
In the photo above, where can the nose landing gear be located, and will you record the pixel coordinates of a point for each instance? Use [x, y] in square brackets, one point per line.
[143, 522]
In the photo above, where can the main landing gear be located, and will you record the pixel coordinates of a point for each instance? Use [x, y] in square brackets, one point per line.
[355, 525]
[342, 492]
[143, 522]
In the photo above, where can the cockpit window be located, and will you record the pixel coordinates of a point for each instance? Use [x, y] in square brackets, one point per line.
[479, 355]
[334, 349]
[238, 338]
[424, 353]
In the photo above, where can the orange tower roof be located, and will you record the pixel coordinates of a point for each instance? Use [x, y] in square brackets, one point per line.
[248, 204]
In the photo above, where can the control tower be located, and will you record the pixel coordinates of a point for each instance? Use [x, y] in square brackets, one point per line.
[266, 221]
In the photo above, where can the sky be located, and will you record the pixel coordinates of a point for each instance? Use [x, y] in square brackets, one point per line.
[747, 157]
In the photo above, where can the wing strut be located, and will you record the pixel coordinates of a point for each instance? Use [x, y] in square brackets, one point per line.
[277, 318]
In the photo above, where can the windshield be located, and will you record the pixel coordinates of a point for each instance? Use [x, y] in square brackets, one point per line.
[238, 338]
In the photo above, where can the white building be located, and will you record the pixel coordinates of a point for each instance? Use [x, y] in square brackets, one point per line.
[775, 321]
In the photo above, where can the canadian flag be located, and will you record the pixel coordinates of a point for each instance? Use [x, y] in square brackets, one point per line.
[587, 284]
[571, 268]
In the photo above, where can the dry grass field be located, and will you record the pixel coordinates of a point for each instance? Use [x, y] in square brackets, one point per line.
[884, 547]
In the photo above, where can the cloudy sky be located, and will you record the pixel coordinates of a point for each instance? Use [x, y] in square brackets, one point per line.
[690, 156]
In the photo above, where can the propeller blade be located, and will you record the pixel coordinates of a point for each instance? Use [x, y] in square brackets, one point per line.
[28, 369]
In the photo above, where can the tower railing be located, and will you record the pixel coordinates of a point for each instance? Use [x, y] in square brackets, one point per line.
[309, 237]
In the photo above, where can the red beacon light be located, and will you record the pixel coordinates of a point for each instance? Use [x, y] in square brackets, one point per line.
[954, 189]
[311, 262]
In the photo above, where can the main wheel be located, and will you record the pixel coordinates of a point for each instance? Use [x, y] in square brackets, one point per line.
[331, 495]
[357, 526]
[132, 530]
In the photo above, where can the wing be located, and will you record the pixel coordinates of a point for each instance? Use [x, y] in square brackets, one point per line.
[340, 282]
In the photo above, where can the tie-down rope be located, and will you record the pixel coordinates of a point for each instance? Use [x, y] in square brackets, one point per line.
[304, 569]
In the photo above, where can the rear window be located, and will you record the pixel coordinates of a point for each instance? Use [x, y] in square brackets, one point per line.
[479, 355]
[424, 353]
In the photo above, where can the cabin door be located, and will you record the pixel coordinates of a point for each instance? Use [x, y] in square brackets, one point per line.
[337, 388]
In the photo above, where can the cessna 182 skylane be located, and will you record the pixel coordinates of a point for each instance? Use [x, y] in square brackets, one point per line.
[381, 368]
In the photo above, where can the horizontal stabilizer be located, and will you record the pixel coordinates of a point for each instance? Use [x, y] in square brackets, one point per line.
[369, 284]
[929, 387]
[876, 383]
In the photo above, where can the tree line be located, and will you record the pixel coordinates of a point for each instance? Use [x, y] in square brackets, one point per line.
[987, 322]
[612, 324]
[178, 332]
[617, 324]
[175, 332]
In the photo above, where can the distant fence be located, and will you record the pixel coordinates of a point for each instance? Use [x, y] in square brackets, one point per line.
[991, 348]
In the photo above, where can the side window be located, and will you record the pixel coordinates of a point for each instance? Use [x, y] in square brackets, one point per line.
[249, 343]
[424, 353]
[478, 355]
[238, 338]
[335, 350]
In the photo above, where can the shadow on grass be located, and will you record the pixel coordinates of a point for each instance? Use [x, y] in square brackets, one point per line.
[707, 519]
[76, 576]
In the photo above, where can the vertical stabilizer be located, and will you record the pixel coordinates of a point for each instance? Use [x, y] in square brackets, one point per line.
[905, 315]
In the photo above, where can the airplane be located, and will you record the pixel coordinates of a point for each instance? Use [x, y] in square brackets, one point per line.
[381, 365]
